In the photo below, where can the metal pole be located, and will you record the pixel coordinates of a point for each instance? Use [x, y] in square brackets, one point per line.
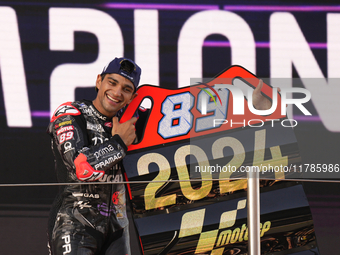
[253, 194]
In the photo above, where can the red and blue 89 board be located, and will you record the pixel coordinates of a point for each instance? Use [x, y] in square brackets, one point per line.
[187, 170]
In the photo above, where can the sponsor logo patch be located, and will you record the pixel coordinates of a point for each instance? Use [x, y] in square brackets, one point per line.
[95, 127]
[65, 109]
[64, 129]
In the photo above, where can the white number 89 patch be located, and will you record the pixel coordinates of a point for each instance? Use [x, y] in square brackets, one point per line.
[65, 136]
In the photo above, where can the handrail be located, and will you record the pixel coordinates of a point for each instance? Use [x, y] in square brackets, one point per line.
[133, 182]
[253, 210]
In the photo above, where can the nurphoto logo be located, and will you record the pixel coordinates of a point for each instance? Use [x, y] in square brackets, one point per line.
[210, 92]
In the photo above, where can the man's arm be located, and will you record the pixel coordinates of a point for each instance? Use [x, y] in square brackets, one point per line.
[84, 161]
[126, 130]
[92, 160]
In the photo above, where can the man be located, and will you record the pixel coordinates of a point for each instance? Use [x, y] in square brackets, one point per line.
[88, 143]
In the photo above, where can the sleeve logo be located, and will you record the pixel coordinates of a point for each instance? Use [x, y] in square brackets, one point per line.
[65, 109]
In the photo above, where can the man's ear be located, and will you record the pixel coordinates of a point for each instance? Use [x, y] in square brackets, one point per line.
[98, 81]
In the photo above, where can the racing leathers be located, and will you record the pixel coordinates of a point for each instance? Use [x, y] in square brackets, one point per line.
[87, 217]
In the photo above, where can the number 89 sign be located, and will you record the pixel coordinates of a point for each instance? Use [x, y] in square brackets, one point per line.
[191, 146]
[179, 142]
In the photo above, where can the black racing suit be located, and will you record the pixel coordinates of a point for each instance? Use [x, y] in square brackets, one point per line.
[87, 217]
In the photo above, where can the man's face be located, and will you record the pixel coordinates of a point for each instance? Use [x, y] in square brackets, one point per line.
[114, 92]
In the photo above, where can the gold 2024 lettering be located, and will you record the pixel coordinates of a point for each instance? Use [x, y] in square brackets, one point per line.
[152, 202]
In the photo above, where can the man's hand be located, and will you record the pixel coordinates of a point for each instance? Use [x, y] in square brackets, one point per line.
[259, 101]
[126, 130]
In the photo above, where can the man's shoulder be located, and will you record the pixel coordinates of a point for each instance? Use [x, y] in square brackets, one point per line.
[70, 108]
[66, 109]
[67, 114]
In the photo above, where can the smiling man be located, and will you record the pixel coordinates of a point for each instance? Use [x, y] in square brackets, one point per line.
[89, 217]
